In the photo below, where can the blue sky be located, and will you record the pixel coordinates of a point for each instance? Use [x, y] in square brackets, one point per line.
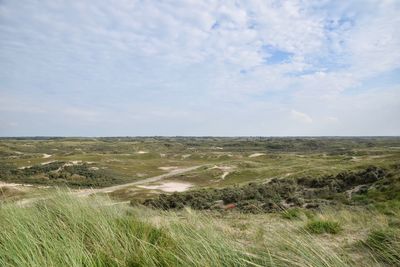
[228, 68]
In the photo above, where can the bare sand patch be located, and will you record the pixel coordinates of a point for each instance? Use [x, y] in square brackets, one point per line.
[142, 152]
[4, 184]
[256, 155]
[224, 175]
[226, 170]
[168, 168]
[24, 167]
[48, 162]
[45, 156]
[223, 168]
[140, 182]
[168, 187]
[72, 163]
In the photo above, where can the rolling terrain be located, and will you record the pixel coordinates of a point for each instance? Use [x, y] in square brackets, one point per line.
[200, 201]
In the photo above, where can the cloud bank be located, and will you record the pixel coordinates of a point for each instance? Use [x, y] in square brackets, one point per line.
[199, 68]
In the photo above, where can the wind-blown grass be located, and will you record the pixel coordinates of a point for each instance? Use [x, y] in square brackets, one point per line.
[63, 231]
[385, 245]
[67, 231]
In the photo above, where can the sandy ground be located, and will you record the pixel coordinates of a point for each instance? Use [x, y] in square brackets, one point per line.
[226, 170]
[45, 156]
[168, 187]
[24, 167]
[168, 168]
[73, 162]
[4, 184]
[142, 152]
[256, 155]
[87, 192]
[224, 175]
[48, 162]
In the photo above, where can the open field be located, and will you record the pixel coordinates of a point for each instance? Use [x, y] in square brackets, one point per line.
[237, 201]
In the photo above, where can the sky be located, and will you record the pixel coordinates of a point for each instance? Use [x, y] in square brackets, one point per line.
[223, 68]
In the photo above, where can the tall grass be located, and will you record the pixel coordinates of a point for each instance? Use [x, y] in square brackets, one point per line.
[385, 245]
[68, 231]
[65, 231]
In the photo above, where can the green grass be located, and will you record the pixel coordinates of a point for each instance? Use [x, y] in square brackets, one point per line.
[291, 214]
[385, 245]
[63, 230]
[323, 226]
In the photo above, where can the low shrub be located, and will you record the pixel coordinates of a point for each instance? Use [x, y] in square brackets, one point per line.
[274, 195]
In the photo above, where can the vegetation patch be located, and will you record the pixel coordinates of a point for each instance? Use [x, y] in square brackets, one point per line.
[384, 244]
[291, 214]
[323, 226]
[275, 195]
[59, 173]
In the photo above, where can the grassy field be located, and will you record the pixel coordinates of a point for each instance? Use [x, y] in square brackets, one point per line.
[249, 201]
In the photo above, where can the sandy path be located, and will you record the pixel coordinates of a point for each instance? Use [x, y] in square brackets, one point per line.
[87, 192]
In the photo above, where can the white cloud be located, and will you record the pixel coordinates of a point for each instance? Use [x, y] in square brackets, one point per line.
[180, 59]
[300, 116]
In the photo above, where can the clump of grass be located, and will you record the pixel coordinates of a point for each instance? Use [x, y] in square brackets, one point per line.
[291, 214]
[385, 245]
[319, 226]
[9, 193]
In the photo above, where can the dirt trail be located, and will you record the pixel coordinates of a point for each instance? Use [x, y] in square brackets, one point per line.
[87, 192]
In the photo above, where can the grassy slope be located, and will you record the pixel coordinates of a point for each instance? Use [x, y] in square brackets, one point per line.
[65, 231]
